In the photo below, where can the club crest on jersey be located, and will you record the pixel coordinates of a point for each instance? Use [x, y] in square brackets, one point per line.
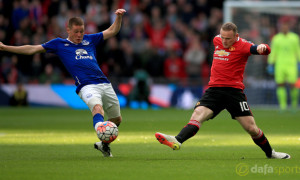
[89, 95]
[82, 54]
[222, 53]
[231, 48]
[85, 42]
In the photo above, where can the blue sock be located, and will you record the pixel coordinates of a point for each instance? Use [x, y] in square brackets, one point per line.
[97, 118]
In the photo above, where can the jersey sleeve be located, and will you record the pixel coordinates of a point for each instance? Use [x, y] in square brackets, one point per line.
[247, 47]
[97, 38]
[215, 39]
[51, 46]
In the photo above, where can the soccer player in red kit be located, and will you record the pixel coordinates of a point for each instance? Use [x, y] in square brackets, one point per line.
[226, 91]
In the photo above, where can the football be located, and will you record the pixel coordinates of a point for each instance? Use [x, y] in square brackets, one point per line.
[107, 131]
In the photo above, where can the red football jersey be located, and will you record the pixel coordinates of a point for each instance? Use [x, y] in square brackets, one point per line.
[229, 63]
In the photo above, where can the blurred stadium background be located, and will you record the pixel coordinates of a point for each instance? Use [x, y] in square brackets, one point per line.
[169, 42]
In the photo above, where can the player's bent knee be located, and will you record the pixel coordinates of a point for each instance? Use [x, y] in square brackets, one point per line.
[252, 130]
[116, 120]
[199, 110]
[98, 109]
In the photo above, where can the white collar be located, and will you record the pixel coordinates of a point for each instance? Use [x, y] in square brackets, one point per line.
[71, 41]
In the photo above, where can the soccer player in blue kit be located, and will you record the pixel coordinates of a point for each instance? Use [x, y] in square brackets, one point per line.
[78, 54]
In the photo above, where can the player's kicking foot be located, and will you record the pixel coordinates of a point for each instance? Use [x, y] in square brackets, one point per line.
[279, 155]
[170, 141]
[104, 148]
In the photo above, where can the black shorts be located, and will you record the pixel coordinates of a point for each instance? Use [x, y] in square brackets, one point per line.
[232, 99]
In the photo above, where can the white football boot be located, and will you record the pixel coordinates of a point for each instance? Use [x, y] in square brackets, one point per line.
[168, 140]
[279, 155]
[104, 148]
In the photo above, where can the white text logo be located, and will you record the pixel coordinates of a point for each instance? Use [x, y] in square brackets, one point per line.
[82, 54]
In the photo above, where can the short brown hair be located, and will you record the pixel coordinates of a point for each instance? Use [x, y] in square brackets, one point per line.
[229, 27]
[75, 21]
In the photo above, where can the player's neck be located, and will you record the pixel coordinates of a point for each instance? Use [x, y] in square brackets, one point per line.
[71, 40]
[285, 32]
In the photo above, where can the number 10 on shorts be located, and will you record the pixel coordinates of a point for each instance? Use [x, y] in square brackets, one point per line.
[244, 106]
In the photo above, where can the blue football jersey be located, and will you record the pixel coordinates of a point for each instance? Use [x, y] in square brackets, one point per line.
[79, 59]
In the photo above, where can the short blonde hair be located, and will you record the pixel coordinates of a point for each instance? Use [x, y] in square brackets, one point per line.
[75, 21]
[230, 27]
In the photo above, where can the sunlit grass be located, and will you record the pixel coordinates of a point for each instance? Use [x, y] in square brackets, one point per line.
[85, 138]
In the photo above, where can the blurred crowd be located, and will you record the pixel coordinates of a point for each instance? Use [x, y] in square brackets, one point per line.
[169, 39]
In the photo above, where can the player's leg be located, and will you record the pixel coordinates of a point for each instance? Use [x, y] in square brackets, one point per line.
[205, 109]
[91, 95]
[112, 109]
[237, 106]
[248, 123]
[292, 77]
[281, 91]
[294, 97]
[98, 115]
[281, 96]
[111, 105]
[116, 120]
[199, 115]
[111, 113]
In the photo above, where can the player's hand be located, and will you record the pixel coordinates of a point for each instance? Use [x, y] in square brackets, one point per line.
[120, 12]
[261, 48]
[1, 46]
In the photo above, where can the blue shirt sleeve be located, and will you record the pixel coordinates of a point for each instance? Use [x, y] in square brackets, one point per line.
[51, 46]
[97, 38]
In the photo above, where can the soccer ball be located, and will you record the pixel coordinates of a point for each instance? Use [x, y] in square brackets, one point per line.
[107, 131]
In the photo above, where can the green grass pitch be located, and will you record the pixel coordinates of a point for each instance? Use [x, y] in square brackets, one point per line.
[51, 143]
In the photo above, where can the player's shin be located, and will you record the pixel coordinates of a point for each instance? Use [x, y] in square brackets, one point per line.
[294, 97]
[282, 97]
[263, 143]
[188, 131]
[98, 118]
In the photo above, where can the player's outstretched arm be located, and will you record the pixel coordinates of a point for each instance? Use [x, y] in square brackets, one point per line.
[115, 27]
[26, 49]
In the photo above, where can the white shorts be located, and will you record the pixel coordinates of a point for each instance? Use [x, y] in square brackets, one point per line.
[102, 94]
